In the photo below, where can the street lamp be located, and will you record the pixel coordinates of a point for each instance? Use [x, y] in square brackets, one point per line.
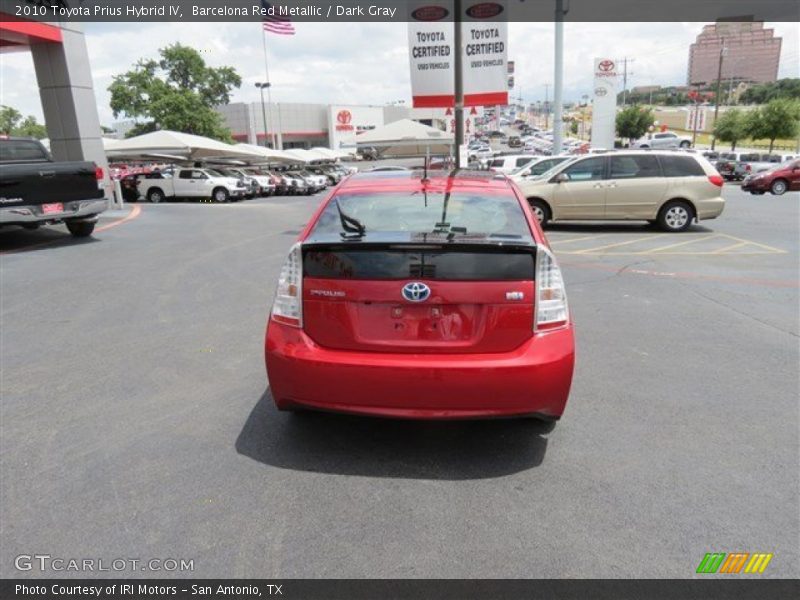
[261, 86]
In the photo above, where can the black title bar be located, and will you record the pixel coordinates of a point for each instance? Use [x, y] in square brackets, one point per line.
[398, 11]
[710, 588]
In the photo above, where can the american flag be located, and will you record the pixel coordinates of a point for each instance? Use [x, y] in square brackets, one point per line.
[275, 23]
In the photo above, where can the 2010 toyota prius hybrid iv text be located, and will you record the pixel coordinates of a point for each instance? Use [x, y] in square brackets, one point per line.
[422, 297]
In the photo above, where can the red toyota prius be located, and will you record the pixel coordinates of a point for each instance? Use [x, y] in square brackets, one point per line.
[422, 296]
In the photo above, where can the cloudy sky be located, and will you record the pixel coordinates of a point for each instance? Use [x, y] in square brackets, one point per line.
[367, 63]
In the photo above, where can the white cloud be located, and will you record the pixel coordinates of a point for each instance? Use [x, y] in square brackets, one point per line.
[367, 63]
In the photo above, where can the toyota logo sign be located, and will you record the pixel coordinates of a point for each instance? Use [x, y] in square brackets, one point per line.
[344, 117]
[416, 291]
[606, 65]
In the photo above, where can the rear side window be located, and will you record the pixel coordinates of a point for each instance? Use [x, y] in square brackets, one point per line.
[20, 150]
[681, 166]
[498, 162]
[750, 157]
[523, 161]
[418, 213]
[631, 167]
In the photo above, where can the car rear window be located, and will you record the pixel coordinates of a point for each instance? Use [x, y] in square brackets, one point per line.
[19, 150]
[680, 166]
[437, 264]
[418, 212]
[750, 158]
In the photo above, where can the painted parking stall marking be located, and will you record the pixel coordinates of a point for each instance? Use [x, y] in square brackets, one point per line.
[658, 244]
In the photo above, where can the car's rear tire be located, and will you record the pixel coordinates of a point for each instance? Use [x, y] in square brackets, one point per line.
[155, 195]
[220, 195]
[80, 229]
[541, 211]
[685, 144]
[779, 187]
[675, 216]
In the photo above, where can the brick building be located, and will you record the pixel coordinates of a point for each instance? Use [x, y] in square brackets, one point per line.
[752, 53]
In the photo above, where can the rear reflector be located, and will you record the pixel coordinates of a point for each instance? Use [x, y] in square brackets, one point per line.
[716, 180]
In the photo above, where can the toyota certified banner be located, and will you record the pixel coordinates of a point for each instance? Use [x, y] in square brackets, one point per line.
[484, 33]
[604, 106]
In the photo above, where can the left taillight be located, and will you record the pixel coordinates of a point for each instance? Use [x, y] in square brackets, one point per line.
[717, 180]
[287, 307]
[98, 173]
[552, 311]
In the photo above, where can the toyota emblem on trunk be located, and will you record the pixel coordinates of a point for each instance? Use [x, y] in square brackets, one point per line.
[416, 291]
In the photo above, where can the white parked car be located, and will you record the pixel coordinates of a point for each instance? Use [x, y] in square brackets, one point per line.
[510, 162]
[662, 140]
[536, 167]
[191, 183]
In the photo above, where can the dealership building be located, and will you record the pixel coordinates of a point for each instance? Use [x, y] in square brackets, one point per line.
[335, 126]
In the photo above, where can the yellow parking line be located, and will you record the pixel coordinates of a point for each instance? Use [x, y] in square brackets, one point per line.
[771, 248]
[731, 247]
[683, 243]
[579, 239]
[587, 250]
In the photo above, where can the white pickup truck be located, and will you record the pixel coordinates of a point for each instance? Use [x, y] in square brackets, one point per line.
[191, 183]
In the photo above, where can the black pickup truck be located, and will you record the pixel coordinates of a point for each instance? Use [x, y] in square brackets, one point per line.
[35, 190]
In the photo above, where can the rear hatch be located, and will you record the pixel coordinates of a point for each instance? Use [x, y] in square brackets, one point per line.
[480, 295]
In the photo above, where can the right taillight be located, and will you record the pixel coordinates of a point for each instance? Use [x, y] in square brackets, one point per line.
[551, 296]
[287, 307]
[717, 180]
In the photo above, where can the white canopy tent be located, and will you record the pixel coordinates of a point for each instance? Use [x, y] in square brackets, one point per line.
[307, 156]
[174, 143]
[332, 154]
[404, 137]
[270, 155]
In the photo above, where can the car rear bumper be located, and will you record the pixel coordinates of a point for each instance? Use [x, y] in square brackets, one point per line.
[85, 210]
[710, 208]
[533, 379]
[758, 186]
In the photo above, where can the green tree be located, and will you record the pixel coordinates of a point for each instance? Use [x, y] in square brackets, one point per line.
[634, 121]
[731, 127]
[12, 123]
[31, 128]
[763, 93]
[779, 118]
[177, 92]
[9, 119]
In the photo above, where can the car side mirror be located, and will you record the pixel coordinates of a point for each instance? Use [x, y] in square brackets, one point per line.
[561, 178]
[526, 173]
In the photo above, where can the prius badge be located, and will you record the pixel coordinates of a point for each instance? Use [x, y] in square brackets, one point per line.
[416, 291]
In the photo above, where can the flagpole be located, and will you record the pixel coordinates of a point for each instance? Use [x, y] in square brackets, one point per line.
[269, 87]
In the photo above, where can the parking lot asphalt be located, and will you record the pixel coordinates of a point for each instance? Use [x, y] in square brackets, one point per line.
[136, 419]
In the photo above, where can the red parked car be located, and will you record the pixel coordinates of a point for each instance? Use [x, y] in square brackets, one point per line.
[778, 180]
[422, 297]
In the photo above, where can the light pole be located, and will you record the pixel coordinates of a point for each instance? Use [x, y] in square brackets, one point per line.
[261, 85]
[722, 52]
[558, 79]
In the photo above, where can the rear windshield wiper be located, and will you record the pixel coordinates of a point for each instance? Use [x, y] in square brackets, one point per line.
[353, 228]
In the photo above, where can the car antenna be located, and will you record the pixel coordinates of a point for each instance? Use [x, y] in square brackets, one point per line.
[425, 168]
